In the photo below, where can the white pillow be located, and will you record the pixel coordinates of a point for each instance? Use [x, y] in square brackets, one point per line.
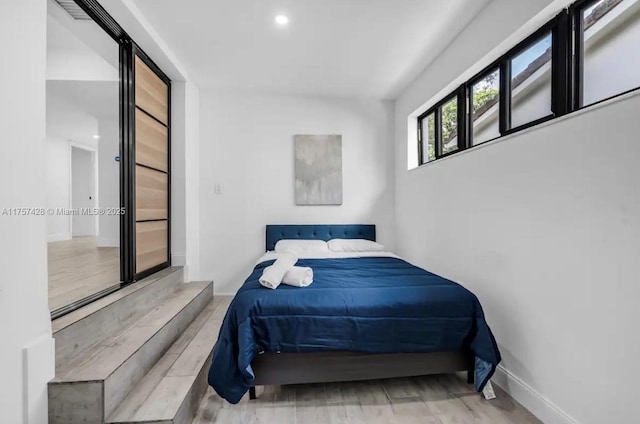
[354, 245]
[302, 246]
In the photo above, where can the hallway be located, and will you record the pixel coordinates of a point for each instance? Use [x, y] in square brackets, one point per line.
[79, 268]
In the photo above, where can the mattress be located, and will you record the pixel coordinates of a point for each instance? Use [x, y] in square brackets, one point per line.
[369, 304]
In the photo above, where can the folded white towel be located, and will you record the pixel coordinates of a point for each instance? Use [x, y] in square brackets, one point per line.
[272, 275]
[298, 276]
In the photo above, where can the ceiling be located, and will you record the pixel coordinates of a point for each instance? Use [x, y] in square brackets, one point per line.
[344, 48]
[77, 47]
[82, 76]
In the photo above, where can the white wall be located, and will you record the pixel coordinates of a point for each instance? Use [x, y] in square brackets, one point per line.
[57, 187]
[109, 182]
[185, 177]
[24, 314]
[178, 171]
[66, 123]
[247, 147]
[543, 227]
[83, 191]
[544, 230]
[192, 179]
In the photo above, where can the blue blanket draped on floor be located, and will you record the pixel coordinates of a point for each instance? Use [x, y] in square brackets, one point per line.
[371, 305]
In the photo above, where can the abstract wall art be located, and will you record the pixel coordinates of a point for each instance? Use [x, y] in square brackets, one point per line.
[318, 169]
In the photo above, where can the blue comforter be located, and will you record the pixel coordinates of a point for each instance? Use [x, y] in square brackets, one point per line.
[372, 305]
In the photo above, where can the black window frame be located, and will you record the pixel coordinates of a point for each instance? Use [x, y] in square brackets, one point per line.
[421, 136]
[561, 88]
[577, 22]
[495, 66]
[559, 29]
[460, 95]
[567, 85]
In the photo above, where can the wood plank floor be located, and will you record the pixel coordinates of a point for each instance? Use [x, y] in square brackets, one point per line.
[437, 399]
[79, 268]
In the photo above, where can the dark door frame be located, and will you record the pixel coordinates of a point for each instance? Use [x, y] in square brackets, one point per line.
[130, 226]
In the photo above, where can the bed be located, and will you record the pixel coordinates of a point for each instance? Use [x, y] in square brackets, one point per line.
[364, 317]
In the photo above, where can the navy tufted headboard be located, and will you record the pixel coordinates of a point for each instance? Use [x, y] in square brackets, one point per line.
[276, 233]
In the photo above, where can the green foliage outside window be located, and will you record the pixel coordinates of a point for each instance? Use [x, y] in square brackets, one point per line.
[482, 98]
[449, 121]
[431, 136]
[485, 95]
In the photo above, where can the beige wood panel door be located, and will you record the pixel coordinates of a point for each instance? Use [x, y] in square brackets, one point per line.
[151, 244]
[152, 170]
[151, 142]
[152, 94]
[151, 194]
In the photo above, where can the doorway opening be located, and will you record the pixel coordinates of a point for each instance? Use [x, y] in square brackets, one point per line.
[107, 157]
[83, 138]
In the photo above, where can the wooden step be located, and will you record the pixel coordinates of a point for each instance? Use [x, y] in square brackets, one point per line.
[90, 325]
[90, 386]
[173, 389]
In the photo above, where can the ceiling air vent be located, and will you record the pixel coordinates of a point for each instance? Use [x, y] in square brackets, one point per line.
[74, 10]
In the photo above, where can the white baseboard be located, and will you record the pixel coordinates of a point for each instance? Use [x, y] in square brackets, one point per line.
[536, 403]
[58, 237]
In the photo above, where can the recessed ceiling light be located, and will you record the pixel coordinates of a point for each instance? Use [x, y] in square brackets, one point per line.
[282, 20]
[96, 136]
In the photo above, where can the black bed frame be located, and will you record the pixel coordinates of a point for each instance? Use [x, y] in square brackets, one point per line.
[324, 367]
[328, 367]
